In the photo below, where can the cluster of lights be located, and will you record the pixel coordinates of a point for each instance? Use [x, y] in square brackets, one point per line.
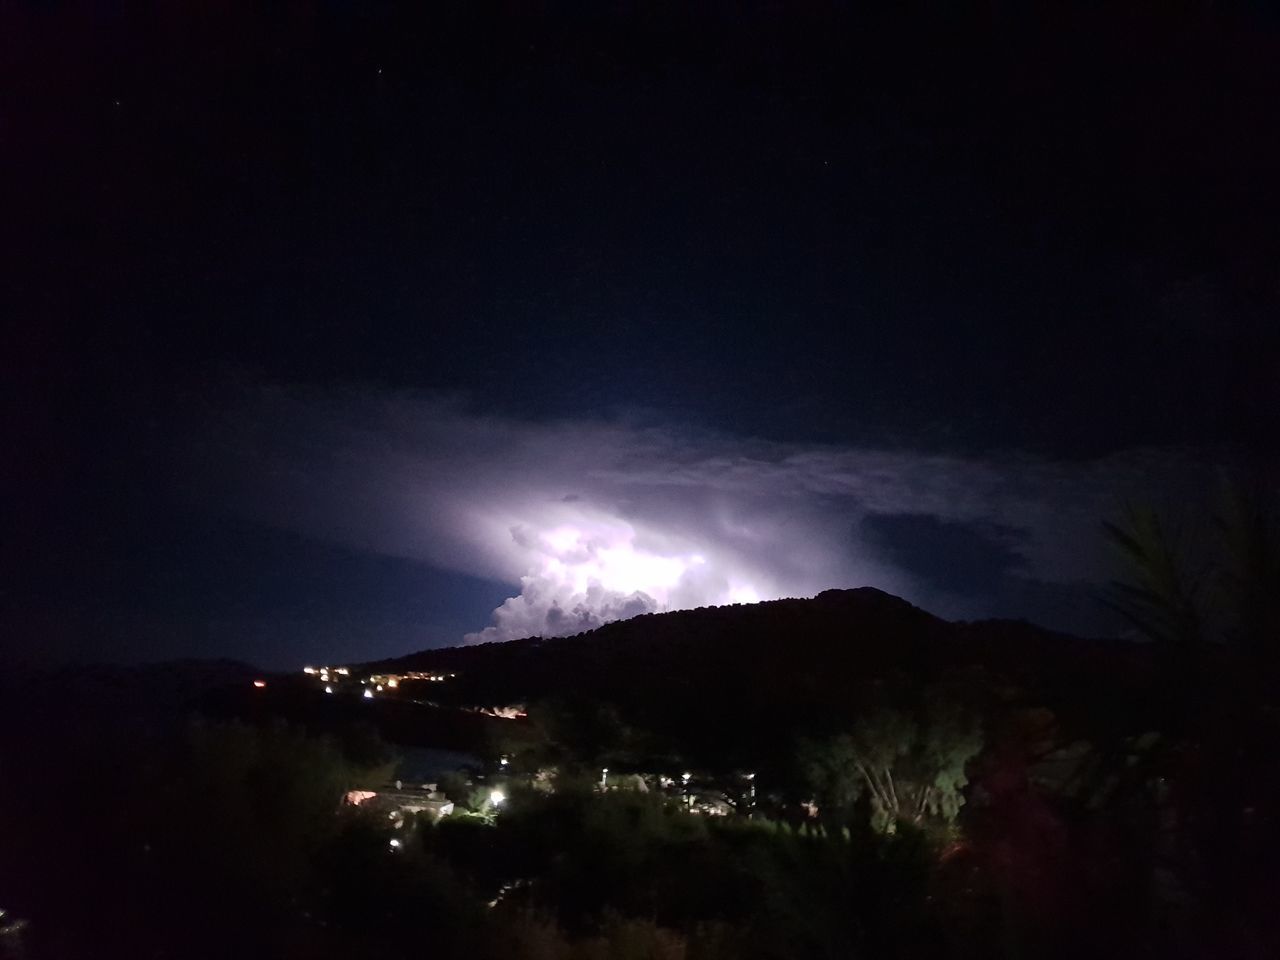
[374, 683]
[391, 681]
[325, 671]
[425, 675]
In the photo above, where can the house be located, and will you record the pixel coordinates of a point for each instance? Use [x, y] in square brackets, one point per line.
[397, 804]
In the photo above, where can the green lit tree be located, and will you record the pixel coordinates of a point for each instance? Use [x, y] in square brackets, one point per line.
[906, 769]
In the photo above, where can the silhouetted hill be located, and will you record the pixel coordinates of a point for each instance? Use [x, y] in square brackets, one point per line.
[719, 678]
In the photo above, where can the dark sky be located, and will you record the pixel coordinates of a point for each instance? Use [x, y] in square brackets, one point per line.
[325, 319]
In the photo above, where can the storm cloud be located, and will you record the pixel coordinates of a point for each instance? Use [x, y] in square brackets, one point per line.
[594, 520]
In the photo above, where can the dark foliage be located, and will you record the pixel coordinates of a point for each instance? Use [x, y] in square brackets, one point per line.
[1109, 812]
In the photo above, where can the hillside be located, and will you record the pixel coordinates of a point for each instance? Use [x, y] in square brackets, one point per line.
[745, 678]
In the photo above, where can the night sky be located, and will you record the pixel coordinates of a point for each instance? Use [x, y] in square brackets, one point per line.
[338, 331]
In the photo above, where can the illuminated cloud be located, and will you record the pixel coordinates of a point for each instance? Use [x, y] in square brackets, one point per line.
[593, 521]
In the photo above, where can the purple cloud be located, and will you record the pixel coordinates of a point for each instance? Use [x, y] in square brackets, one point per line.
[593, 520]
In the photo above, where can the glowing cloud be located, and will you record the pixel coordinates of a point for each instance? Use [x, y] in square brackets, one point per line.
[594, 521]
[585, 567]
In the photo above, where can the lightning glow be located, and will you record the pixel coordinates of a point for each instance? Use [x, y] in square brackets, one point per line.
[583, 566]
[591, 522]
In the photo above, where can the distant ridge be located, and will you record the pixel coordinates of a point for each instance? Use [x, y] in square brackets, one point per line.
[866, 598]
[755, 669]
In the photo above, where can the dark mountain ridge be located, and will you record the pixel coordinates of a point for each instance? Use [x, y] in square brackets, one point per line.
[721, 677]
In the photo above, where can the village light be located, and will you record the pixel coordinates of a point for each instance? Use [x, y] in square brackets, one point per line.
[309, 670]
[328, 689]
[604, 777]
[496, 797]
[395, 844]
[368, 694]
[259, 684]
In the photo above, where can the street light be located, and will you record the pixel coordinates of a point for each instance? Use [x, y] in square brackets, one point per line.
[496, 797]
